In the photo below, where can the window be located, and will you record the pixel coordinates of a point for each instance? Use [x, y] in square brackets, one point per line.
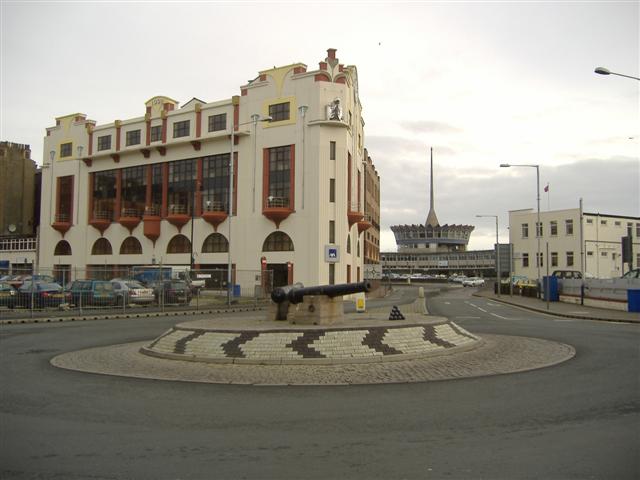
[618, 224]
[179, 244]
[62, 248]
[332, 190]
[217, 122]
[131, 246]
[332, 231]
[603, 222]
[215, 183]
[104, 142]
[525, 230]
[279, 111]
[133, 137]
[181, 129]
[65, 150]
[540, 259]
[332, 150]
[604, 254]
[65, 199]
[101, 247]
[332, 274]
[182, 184]
[104, 195]
[279, 171]
[569, 259]
[349, 243]
[215, 243]
[539, 230]
[568, 227]
[637, 231]
[278, 242]
[553, 228]
[156, 189]
[589, 221]
[554, 259]
[589, 254]
[134, 190]
[156, 133]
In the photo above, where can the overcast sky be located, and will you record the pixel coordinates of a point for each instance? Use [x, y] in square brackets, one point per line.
[482, 83]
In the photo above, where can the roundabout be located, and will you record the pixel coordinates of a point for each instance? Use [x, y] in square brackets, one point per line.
[360, 349]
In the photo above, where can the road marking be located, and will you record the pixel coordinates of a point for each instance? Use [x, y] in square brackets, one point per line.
[447, 303]
[500, 316]
[460, 317]
[481, 309]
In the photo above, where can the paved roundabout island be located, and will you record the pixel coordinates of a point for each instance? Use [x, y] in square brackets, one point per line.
[363, 348]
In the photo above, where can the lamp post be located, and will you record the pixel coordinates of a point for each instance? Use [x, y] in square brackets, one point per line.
[606, 71]
[538, 224]
[255, 118]
[497, 251]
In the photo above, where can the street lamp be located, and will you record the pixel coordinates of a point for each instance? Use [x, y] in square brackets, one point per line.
[497, 251]
[606, 71]
[538, 224]
[255, 118]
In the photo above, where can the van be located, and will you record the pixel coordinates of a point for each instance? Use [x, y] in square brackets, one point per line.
[92, 292]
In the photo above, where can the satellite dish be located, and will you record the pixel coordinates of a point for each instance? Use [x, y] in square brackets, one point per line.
[12, 228]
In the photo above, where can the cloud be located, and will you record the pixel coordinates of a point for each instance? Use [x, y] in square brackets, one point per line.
[429, 127]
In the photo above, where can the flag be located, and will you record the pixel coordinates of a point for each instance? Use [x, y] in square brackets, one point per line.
[546, 189]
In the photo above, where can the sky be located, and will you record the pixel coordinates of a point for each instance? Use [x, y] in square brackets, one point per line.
[482, 83]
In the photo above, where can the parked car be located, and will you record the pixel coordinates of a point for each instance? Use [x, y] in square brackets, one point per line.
[473, 282]
[635, 273]
[172, 291]
[92, 292]
[567, 274]
[38, 294]
[8, 295]
[130, 291]
[16, 281]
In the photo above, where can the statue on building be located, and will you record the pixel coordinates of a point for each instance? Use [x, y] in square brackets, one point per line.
[334, 110]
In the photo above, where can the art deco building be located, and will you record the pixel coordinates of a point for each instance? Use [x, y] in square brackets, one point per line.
[194, 181]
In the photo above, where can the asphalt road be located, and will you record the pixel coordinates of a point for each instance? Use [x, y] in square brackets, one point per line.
[579, 419]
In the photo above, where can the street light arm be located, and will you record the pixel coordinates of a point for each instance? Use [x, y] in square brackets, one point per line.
[606, 71]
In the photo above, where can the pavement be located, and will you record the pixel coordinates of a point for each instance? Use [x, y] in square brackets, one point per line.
[561, 309]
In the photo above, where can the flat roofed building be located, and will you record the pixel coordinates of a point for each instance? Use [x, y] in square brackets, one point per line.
[589, 243]
[129, 192]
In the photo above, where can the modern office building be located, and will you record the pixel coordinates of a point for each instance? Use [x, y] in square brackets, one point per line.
[587, 242]
[162, 189]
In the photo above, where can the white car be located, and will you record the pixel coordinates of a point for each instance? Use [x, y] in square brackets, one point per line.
[130, 291]
[473, 282]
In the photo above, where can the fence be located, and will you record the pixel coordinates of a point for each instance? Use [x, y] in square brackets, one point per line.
[116, 288]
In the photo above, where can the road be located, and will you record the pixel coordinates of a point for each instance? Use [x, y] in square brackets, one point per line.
[580, 419]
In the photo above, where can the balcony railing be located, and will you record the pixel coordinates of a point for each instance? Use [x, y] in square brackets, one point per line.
[277, 202]
[152, 211]
[210, 206]
[62, 217]
[20, 244]
[130, 212]
[102, 215]
[178, 209]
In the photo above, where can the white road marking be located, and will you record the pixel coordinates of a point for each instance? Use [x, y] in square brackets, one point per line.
[481, 309]
[447, 303]
[460, 317]
[500, 316]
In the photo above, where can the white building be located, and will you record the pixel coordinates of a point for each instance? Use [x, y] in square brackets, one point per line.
[591, 243]
[143, 190]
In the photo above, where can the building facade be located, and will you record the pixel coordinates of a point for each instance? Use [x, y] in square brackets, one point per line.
[587, 242]
[18, 193]
[270, 179]
[371, 212]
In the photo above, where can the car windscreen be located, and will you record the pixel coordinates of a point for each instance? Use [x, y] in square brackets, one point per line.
[48, 287]
[135, 285]
[178, 284]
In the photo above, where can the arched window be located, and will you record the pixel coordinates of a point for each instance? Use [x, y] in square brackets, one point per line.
[214, 243]
[101, 247]
[179, 244]
[62, 248]
[278, 242]
[131, 246]
[349, 243]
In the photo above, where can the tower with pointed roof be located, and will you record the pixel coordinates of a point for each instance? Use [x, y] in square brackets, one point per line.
[432, 237]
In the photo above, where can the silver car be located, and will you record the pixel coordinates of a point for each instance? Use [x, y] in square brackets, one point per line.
[131, 291]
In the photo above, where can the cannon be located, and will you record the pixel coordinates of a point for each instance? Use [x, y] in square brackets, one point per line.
[321, 304]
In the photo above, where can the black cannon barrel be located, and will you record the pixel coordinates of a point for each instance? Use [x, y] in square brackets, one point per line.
[296, 295]
[279, 294]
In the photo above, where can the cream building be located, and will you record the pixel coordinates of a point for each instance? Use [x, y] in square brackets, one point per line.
[155, 189]
[590, 243]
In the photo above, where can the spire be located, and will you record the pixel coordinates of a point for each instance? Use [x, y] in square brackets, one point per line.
[432, 219]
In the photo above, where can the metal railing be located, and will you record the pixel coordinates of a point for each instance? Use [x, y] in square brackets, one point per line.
[277, 202]
[179, 209]
[62, 217]
[130, 212]
[210, 206]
